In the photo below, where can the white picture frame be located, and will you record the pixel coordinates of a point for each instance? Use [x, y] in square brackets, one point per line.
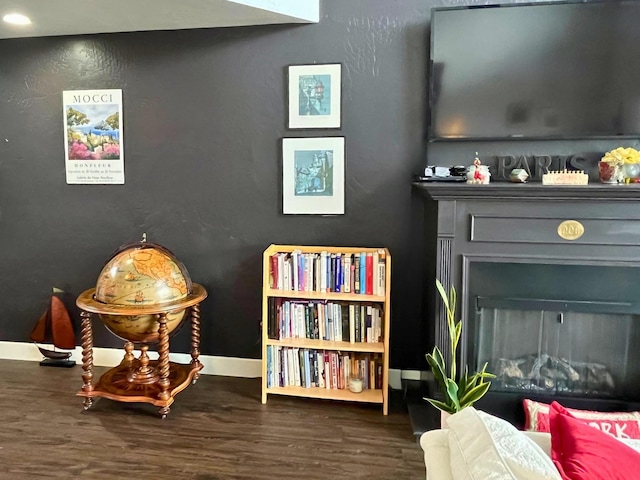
[93, 136]
[315, 96]
[313, 176]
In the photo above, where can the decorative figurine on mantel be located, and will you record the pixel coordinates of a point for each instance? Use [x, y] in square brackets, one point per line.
[478, 173]
[565, 177]
[142, 295]
[518, 175]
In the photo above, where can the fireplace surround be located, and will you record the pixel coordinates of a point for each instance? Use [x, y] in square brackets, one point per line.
[548, 282]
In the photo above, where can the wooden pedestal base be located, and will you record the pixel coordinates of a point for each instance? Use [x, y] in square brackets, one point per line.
[115, 385]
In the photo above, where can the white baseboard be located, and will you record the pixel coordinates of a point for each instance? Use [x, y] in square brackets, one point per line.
[108, 357]
[212, 365]
[417, 375]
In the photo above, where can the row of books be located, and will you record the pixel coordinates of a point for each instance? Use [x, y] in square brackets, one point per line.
[309, 368]
[324, 320]
[362, 273]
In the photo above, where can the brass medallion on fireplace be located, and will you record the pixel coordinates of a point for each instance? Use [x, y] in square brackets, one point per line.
[570, 230]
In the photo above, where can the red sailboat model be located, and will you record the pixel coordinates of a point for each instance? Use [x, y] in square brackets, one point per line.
[55, 327]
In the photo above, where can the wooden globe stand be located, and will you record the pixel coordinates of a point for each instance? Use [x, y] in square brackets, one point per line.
[141, 379]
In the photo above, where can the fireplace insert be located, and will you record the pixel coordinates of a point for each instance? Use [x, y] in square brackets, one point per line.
[552, 331]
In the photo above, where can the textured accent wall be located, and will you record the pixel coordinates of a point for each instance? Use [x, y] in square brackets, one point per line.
[204, 115]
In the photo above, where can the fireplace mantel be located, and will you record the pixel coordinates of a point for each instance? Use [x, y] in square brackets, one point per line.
[524, 191]
[467, 225]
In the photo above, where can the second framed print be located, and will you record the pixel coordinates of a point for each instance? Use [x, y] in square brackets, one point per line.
[313, 175]
[315, 96]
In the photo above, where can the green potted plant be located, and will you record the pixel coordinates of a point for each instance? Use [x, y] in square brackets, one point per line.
[459, 390]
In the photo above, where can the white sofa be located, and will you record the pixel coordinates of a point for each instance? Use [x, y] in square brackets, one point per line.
[478, 446]
[435, 444]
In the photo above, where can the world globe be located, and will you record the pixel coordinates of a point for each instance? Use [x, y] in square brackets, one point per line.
[147, 277]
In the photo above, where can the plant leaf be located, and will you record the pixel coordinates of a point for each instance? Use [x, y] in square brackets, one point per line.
[458, 332]
[452, 393]
[441, 405]
[452, 299]
[483, 373]
[437, 367]
[474, 394]
[463, 384]
[443, 294]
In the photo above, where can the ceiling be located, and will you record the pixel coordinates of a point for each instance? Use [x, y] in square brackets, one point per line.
[76, 17]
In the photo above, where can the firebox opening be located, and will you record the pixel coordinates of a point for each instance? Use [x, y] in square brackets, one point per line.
[570, 330]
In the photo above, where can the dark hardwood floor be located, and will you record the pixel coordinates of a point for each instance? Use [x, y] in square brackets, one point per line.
[217, 429]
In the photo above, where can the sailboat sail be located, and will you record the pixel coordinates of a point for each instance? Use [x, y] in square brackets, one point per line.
[55, 326]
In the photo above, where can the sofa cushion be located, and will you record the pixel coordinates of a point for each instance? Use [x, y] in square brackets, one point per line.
[435, 444]
[484, 447]
[581, 452]
[618, 424]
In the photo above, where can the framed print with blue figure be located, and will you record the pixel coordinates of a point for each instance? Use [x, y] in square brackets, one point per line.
[313, 175]
[315, 96]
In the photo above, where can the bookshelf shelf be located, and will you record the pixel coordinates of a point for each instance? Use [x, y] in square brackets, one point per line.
[366, 396]
[339, 296]
[313, 334]
[377, 347]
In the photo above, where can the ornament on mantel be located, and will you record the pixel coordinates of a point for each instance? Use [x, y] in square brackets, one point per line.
[478, 173]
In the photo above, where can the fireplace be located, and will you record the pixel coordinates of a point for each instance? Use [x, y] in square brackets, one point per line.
[548, 282]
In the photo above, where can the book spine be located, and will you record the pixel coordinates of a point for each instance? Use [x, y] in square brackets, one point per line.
[374, 273]
[300, 360]
[269, 366]
[316, 321]
[286, 280]
[307, 368]
[323, 271]
[320, 362]
[327, 370]
[334, 369]
[352, 324]
[308, 325]
[347, 273]
[316, 275]
[363, 280]
[295, 267]
[344, 310]
[369, 274]
[273, 271]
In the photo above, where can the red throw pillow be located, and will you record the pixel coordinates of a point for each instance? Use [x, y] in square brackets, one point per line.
[618, 424]
[580, 452]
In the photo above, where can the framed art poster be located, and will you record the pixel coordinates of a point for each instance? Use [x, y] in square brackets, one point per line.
[315, 96]
[94, 145]
[313, 175]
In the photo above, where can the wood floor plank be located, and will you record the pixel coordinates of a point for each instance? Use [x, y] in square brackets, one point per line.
[217, 430]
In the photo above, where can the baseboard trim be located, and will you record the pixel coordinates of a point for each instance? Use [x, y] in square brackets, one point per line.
[108, 357]
[212, 365]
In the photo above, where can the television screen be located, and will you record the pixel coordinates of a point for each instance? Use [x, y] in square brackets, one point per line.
[546, 70]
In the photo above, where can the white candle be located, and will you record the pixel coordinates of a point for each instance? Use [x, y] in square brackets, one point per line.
[355, 385]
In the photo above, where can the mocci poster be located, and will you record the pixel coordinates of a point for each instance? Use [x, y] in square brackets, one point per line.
[94, 144]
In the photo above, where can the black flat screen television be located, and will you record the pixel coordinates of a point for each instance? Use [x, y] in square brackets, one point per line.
[535, 71]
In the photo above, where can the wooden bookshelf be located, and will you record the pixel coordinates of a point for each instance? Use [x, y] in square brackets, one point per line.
[373, 353]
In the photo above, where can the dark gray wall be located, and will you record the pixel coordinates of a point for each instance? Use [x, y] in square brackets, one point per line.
[204, 115]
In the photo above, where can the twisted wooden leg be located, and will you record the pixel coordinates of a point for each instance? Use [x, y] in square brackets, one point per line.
[163, 361]
[87, 357]
[195, 339]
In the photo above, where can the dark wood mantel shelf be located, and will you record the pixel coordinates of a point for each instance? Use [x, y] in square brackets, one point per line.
[524, 191]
